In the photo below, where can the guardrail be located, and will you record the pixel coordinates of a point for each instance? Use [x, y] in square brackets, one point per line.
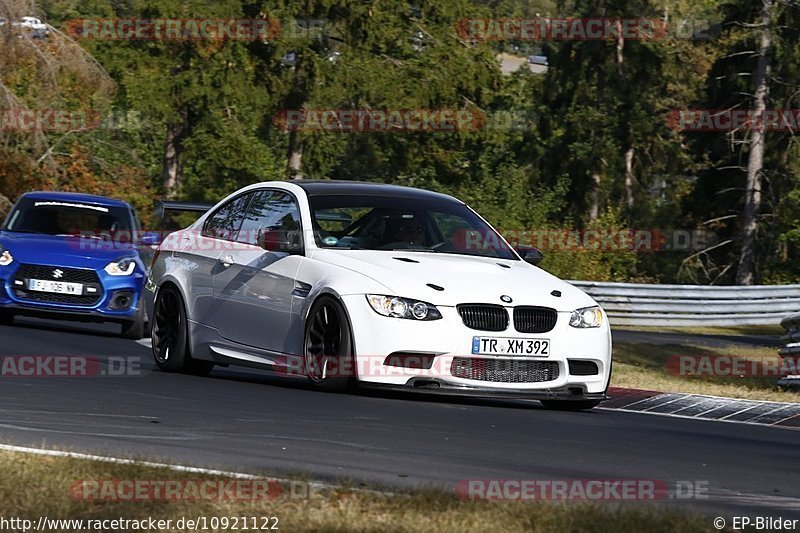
[694, 305]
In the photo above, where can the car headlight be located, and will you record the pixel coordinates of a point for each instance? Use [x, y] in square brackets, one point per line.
[397, 307]
[586, 317]
[123, 267]
[5, 257]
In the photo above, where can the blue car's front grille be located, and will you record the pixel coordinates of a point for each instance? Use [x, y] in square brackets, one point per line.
[92, 288]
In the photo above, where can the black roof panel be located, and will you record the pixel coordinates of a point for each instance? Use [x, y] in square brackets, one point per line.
[366, 188]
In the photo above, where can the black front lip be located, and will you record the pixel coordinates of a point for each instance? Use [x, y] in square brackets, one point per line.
[69, 313]
[438, 386]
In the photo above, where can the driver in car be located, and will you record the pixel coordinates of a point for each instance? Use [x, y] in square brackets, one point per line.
[406, 231]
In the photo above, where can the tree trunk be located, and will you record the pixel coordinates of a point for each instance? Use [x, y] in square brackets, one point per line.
[620, 47]
[594, 197]
[629, 148]
[296, 100]
[629, 178]
[172, 165]
[746, 270]
[295, 158]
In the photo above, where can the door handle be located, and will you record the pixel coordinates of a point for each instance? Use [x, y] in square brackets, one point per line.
[227, 261]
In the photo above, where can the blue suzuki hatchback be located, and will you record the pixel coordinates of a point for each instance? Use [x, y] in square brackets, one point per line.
[73, 256]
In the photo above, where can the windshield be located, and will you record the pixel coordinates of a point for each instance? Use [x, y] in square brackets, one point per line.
[387, 223]
[63, 217]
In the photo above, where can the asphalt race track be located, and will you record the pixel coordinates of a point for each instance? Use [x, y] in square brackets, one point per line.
[254, 422]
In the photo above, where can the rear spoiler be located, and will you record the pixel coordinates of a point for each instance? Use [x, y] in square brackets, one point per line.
[196, 207]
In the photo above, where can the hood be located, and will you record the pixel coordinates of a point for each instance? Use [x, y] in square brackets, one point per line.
[465, 279]
[60, 250]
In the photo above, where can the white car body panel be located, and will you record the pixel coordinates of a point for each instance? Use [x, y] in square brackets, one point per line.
[259, 320]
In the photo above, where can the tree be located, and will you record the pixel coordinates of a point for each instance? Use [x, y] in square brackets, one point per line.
[748, 174]
[746, 271]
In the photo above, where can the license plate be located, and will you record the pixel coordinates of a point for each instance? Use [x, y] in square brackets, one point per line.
[60, 287]
[510, 346]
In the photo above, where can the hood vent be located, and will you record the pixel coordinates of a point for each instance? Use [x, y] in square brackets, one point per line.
[435, 287]
[406, 259]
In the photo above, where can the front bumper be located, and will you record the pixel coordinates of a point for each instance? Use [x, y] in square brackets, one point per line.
[115, 290]
[448, 340]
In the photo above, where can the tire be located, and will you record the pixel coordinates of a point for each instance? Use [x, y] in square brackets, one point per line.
[6, 318]
[328, 346]
[134, 329]
[570, 405]
[170, 336]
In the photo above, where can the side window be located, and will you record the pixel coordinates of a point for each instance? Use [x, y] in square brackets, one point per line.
[273, 210]
[226, 221]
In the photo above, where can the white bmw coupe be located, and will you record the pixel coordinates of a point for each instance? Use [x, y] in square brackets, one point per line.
[377, 285]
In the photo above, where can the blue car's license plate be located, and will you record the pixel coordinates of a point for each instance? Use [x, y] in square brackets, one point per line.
[60, 287]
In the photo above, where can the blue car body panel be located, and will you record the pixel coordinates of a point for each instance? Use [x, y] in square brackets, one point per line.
[81, 259]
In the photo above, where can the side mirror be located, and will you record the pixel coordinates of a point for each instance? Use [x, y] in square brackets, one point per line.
[279, 240]
[529, 254]
[151, 238]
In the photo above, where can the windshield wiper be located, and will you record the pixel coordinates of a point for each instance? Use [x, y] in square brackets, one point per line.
[431, 250]
[343, 247]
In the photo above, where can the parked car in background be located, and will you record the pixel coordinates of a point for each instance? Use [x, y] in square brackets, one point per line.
[74, 256]
[537, 60]
[35, 25]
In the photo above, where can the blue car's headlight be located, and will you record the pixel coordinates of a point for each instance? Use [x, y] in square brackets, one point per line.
[586, 317]
[122, 267]
[397, 307]
[5, 257]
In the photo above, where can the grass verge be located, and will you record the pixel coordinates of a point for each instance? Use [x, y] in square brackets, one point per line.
[32, 486]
